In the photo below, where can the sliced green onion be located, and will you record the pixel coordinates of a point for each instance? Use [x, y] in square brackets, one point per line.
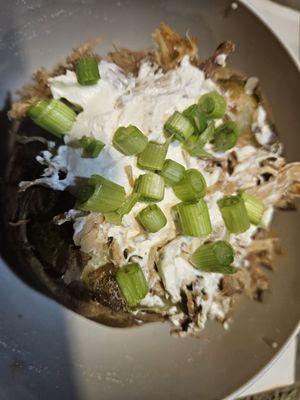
[77, 108]
[84, 193]
[194, 218]
[213, 105]
[234, 214]
[202, 153]
[213, 257]
[113, 218]
[91, 148]
[153, 156]
[180, 126]
[172, 172]
[195, 148]
[152, 218]
[197, 117]
[128, 204]
[255, 208]
[132, 283]
[207, 135]
[87, 71]
[195, 144]
[101, 195]
[226, 136]
[191, 187]
[228, 270]
[129, 140]
[150, 187]
[52, 115]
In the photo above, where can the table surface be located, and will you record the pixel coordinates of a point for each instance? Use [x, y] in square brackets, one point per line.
[285, 23]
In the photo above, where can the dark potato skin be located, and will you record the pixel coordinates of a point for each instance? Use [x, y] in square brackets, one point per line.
[46, 251]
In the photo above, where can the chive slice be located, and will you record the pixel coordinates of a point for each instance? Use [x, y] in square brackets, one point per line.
[226, 136]
[191, 187]
[197, 117]
[101, 195]
[128, 204]
[91, 147]
[214, 257]
[202, 153]
[255, 208]
[194, 218]
[132, 283]
[153, 156]
[195, 144]
[207, 135]
[152, 218]
[180, 126]
[87, 71]
[150, 187]
[52, 115]
[234, 214]
[115, 217]
[213, 105]
[129, 140]
[85, 193]
[195, 149]
[172, 172]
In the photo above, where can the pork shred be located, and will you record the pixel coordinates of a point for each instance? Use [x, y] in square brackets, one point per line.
[171, 47]
[210, 65]
[284, 186]
[127, 60]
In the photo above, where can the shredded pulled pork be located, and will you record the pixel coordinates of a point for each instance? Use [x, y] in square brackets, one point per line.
[252, 281]
[127, 60]
[172, 47]
[286, 183]
[210, 65]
